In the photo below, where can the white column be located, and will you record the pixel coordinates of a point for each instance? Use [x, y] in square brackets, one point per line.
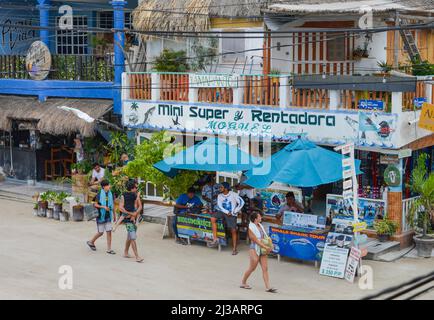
[429, 90]
[397, 102]
[155, 91]
[239, 92]
[125, 87]
[284, 92]
[193, 93]
[335, 99]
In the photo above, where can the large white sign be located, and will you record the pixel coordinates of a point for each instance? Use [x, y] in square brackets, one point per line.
[327, 127]
[198, 80]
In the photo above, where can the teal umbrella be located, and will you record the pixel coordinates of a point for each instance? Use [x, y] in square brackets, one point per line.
[209, 155]
[301, 164]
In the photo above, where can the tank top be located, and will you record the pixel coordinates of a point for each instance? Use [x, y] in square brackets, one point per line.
[130, 201]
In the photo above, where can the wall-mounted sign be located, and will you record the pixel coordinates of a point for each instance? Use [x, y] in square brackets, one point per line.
[418, 102]
[213, 80]
[405, 153]
[389, 159]
[392, 176]
[323, 127]
[38, 61]
[371, 105]
[426, 120]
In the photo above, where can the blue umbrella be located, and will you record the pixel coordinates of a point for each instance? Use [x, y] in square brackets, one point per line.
[209, 155]
[301, 164]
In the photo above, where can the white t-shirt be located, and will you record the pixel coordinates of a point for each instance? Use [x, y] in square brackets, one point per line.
[98, 175]
[231, 203]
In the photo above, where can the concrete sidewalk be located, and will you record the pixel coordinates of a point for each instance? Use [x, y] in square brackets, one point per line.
[23, 189]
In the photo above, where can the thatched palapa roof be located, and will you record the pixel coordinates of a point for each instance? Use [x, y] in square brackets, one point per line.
[50, 119]
[191, 15]
[348, 6]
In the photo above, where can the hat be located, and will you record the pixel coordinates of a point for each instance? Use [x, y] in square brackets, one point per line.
[226, 185]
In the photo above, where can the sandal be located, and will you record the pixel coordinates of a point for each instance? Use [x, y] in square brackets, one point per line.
[245, 286]
[111, 252]
[140, 261]
[91, 246]
[234, 253]
[271, 290]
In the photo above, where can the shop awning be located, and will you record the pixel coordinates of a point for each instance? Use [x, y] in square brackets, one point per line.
[300, 164]
[49, 118]
[210, 155]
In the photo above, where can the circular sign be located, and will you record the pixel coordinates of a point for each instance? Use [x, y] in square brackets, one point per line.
[38, 61]
[392, 176]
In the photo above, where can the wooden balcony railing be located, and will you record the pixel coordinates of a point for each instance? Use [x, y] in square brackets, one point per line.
[310, 98]
[64, 67]
[349, 99]
[140, 86]
[408, 97]
[216, 95]
[261, 90]
[174, 87]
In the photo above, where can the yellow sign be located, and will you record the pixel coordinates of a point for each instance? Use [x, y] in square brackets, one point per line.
[426, 120]
[360, 226]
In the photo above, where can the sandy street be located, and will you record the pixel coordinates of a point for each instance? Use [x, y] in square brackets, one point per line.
[32, 249]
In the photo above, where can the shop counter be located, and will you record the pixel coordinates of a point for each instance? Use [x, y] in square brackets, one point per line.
[197, 227]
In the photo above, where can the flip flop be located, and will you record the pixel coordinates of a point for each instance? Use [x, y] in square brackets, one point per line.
[234, 253]
[111, 252]
[140, 261]
[91, 246]
[247, 287]
[272, 290]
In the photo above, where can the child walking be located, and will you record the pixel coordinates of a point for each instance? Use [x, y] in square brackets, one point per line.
[104, 204]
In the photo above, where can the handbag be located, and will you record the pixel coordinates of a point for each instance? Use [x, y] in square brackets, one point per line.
[267, 241]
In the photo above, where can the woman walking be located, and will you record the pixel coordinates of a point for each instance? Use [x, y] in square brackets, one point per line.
[258, 252]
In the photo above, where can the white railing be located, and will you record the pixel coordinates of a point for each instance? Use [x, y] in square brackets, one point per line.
[345, 67]
[406, 207]
[153, 193]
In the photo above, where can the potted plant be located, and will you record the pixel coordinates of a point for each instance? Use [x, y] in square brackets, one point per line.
[422, 209]
[78, 211]
[50, 209]
[385, 229]
[360, 53]
[43, 204]
[385, 68]
[58, 204]
[63, 216]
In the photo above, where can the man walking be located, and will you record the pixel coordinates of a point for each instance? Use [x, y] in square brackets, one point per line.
[104, 203]
[229, 205]
[130, 208]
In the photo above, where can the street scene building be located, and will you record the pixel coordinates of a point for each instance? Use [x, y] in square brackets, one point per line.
[279, 130]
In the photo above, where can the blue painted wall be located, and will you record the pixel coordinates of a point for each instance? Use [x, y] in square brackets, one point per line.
[15, 40]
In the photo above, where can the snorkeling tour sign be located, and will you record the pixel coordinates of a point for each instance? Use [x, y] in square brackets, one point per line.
[364, 128]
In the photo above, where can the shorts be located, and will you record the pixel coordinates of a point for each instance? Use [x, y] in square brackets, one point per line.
[231, 221]
[131, 231]
[104, 227]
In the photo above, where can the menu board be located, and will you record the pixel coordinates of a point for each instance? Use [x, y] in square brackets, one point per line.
[338, 244]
